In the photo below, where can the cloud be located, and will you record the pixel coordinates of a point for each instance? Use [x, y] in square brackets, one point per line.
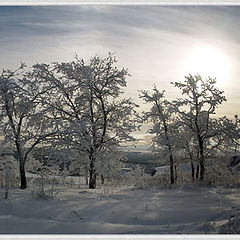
[26, 22]
[152, 41]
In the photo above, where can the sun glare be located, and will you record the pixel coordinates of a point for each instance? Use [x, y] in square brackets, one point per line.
[208, 62]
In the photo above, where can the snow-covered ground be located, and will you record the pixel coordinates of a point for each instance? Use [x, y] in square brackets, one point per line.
[132, 211]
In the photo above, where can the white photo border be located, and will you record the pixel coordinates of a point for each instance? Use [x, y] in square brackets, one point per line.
[118, 2]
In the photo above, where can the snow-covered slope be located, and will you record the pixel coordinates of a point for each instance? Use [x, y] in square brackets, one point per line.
[182, 210]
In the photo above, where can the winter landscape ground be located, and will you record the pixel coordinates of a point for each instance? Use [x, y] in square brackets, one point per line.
[181, 210]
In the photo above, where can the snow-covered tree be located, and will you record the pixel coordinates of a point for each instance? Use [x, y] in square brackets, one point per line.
[22, 114]
[86, 100]
[164, 127]
[187, 141]
[231, 133]
[202, 99]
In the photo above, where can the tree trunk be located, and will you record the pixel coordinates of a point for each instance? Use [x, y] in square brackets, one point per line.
[6, 190]
[201, 160]
[171, 170]
[193, 171]
[21, 165]
[175, 167]
[2, 180]
[197, 172]
[162, 118]
[22, 175]
[92, 181]
[7, 179]
[201, 163]
[86, 175]
[102, 179]
[6, 194]
[92, 176]
[202, 170]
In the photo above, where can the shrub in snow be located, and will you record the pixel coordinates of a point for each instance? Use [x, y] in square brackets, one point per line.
[7, 173]
[44, 189]
[110, 169]
[161, 179]
[184, 178]
[218, 174]
[79, 167]
[208, 227]
[44, 185]
[138, 178]
[231, 222]
[231, 227]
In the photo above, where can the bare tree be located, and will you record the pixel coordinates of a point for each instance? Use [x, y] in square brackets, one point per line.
[86, 98]
[22, 114]
[162, 115]
[202, 99]
[231, 133]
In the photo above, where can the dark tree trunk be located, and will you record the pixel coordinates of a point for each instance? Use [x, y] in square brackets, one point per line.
[201, 160]
[202, 170]
[2, 180]
[23, 184]
[175, 168]
[6, 194]
[86, 175]
[162, 118]
[171, 170]
[197, 172]
[193, 171]
[22, 175]
[201, 163]
[92, 181]
[92, 176]
[102, 179]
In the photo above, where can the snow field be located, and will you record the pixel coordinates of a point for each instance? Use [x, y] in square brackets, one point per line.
[128, 211]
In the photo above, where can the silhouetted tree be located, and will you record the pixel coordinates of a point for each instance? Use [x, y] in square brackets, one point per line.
[202, 99]
[22, 116]
[86, 98]
[161, 115]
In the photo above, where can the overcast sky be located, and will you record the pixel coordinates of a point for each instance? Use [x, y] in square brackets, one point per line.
[156, 43]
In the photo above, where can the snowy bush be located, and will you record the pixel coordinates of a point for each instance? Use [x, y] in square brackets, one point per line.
[184, 178]
[138, 178]
[45, 188]
[109, 166]
[232, 225]
[7, 173]
[44, 185]
[218, 174]
[115, 181]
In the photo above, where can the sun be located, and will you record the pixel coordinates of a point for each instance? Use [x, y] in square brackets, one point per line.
[208, 62]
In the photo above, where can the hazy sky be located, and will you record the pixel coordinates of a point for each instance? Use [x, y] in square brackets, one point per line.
[157, 44]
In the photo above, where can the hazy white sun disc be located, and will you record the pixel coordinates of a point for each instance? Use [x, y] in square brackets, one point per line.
[208, 62]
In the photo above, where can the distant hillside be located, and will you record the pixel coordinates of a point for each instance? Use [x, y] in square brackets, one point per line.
[140, 157]
[136, 148]
[143, 158]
